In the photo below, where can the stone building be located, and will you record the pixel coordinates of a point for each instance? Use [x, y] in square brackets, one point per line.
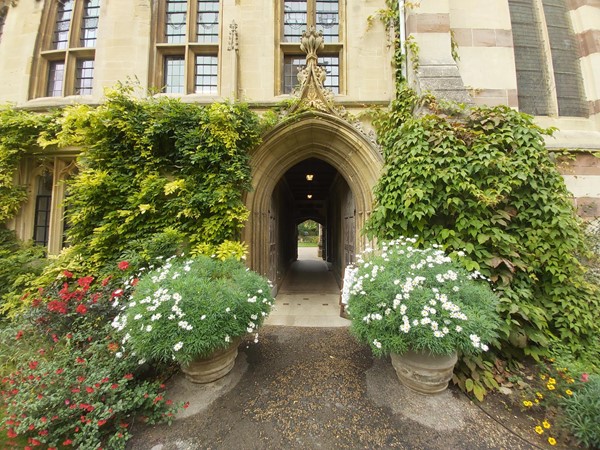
[540, 56]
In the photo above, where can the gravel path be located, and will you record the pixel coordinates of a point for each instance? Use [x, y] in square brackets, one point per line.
[317, 388]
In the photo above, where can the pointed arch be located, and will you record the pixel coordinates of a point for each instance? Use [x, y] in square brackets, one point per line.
[309, 135]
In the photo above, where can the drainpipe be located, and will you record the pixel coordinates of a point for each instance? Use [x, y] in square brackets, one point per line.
[402, 33]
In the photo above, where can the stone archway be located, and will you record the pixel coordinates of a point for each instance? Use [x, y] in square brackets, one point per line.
[309, 135]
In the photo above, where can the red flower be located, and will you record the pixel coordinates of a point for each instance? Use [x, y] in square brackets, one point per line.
[585, 377]
[80, 379]
[36, 302]
[55, 338]
[106, 280]
[81, 309]
[113, 347]
[56, 306]
[85, 281]
[11, 433]
[75, 390]
[135, 281]
[69, 335]
[117, 293]
[43, 433]
[186, 405]
[67, 274]
[101, 422]
[67, 401]
[35, 442]
[128, 376]
[19, 335]
[123, 265]
[79, 360]
[67, 442]
[89, 389]
[114, 386]
[33, 365]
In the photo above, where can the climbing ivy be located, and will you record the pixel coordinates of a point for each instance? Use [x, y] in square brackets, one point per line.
[483, 182]
[155, 164]
[19, 131]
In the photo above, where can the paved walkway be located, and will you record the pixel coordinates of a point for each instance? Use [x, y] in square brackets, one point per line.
[309, 295]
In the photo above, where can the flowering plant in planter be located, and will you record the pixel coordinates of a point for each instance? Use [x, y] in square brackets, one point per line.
[192, 307]
[403, 298]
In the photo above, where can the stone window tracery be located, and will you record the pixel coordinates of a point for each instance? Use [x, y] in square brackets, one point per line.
[297, 16]
[187, 47]
[67, 40]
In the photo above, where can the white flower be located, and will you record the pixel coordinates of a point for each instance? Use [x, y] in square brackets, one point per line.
[141, 361]
[137, 317]
[228, 309]
[155, 317]
[254, 316]
[149, 328]
[178, 346]
[458, 328]
[249, 329]
[376, 343]
[203, 317]
[119, 355]
[227, 338]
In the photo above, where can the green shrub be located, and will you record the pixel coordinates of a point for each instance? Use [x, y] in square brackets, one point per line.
[192, 307]
[19, 263]
[582, 412]
[154, 166]
[73, 387]
[482, 181]
[403, 298]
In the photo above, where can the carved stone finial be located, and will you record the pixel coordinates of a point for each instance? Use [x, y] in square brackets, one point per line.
[312, 41]
[233, 37]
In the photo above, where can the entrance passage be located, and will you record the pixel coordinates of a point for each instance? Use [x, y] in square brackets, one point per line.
[309, 295]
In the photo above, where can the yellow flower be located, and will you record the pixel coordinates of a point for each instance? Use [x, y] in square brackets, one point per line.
[536, 401]
[570, 381]
[546, 424]
[569, 392]
[551, 381]
[539, 430]
[527, 403]
[543, 377]
[539, 395]
[550, 387]
[551, 441]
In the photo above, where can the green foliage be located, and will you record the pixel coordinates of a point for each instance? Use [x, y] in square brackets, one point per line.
[192, 307]
[19, 132]
[19, 264]
[152, 166]
[223, 251]
[70, 386]
[483, 182]
[582, 412]
[402, 298]
[475, 374]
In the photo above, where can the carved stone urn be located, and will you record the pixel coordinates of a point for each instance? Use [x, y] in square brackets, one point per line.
[424, 372]
[213, 367]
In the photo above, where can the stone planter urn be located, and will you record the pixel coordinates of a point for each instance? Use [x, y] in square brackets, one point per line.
[424, 372]
[213, 367]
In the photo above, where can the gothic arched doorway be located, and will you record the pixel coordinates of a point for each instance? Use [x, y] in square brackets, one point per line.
[336, 151]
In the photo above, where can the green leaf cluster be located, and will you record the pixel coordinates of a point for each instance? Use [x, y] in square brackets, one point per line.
[19, 132]
[155, 164]
[483, 182]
